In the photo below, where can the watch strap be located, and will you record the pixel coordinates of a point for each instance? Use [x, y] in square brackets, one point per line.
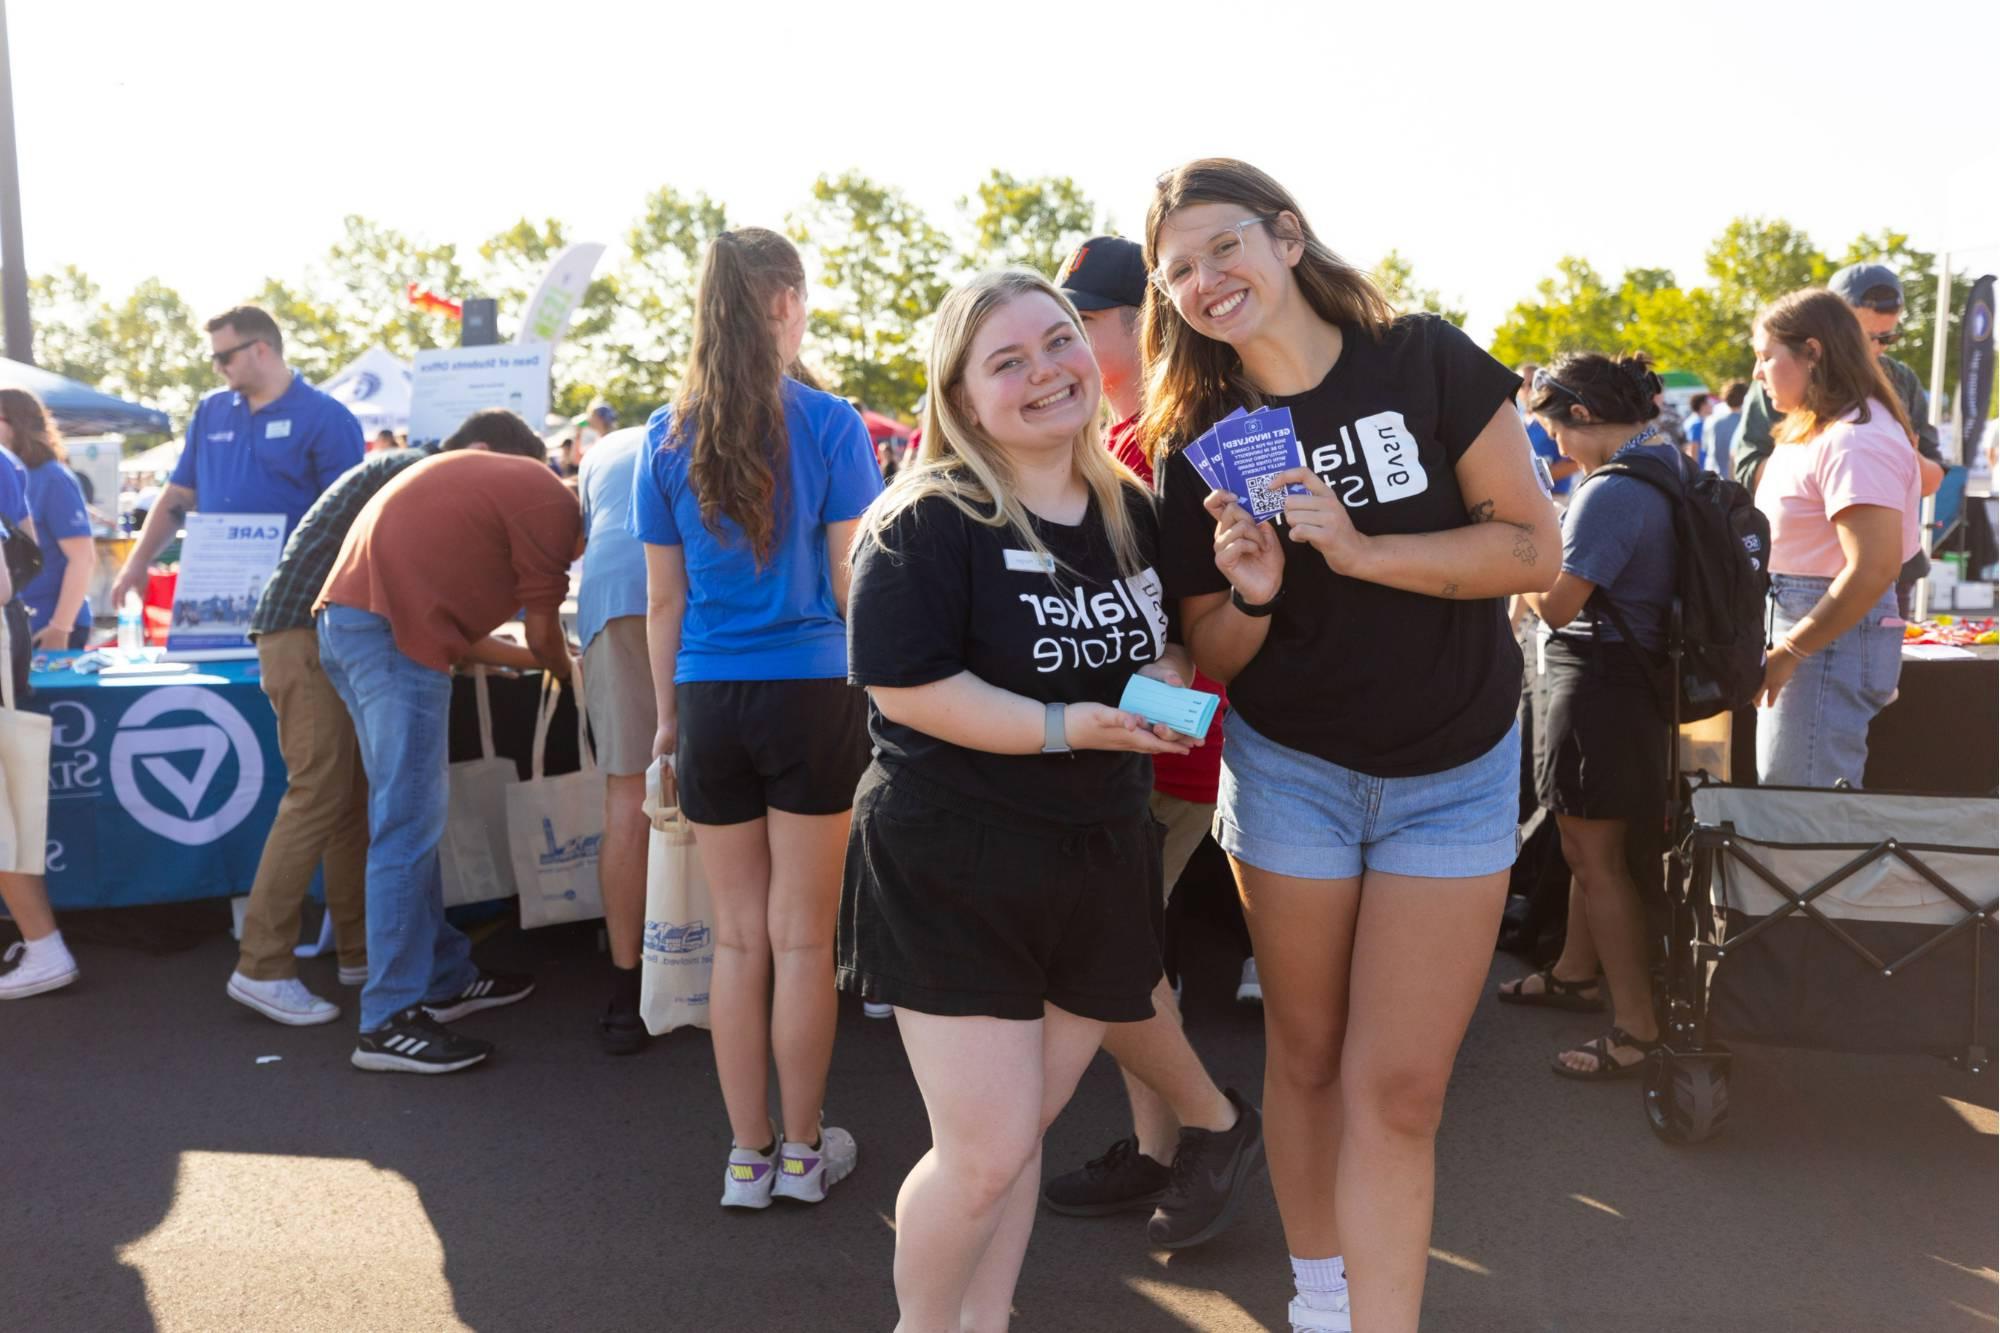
[1053, 739]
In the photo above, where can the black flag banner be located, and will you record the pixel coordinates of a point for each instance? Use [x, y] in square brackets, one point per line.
[1975, 368]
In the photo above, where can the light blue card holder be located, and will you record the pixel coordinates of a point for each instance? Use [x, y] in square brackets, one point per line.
[1186, 711]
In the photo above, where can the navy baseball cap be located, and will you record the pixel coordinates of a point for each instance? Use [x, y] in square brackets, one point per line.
[1105, 272]
[1854, 283]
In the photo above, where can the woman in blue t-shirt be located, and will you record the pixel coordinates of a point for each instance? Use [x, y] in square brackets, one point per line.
[1604, 770]
[57, 599]
[746, 499]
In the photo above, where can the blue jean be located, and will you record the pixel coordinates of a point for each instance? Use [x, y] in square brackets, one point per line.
[1817, 732]
[400, 709]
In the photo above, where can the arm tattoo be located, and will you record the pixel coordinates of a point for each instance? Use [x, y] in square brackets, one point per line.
[1450, 590]
[1481, 512]
[1524, 545]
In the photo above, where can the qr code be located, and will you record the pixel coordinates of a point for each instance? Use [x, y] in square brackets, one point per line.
[1265, 497]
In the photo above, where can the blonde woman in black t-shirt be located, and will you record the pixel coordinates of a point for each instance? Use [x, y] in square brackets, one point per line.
[1002, 886]
[1371, 769]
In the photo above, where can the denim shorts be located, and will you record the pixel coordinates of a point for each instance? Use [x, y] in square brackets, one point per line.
[1297, 814]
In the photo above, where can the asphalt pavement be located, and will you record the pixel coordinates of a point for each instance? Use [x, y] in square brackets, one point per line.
[160, 1170]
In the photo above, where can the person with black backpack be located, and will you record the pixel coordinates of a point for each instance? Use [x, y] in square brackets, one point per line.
[1604, 770]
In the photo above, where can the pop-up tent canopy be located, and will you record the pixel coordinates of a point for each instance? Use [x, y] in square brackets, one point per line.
[375, 386]
[80, 409]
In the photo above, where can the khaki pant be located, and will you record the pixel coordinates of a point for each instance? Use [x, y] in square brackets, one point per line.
[323, 818]
[1187, 824]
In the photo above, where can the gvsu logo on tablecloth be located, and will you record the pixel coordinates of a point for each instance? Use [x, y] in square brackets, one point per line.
[163, 774]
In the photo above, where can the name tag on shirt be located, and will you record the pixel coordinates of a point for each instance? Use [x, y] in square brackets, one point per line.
[1029, 562]
[277, 430]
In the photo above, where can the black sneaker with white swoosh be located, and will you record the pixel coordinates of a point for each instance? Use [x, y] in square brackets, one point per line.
[489, 990]
[415, 1043]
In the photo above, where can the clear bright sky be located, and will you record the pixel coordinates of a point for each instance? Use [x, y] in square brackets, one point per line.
[217, 144]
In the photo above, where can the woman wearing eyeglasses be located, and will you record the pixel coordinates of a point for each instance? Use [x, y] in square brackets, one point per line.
[1371, 770]
[1841, 490]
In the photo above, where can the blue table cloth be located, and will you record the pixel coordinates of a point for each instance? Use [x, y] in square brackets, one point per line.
[161, 788]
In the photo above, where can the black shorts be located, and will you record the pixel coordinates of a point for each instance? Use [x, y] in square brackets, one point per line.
[1606, 756]
[749, 746]
[957, 908]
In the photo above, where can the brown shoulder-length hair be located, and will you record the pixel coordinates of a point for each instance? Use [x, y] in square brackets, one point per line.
[1842, 377]
[730, 414]
[1192, 380]
[36, 439]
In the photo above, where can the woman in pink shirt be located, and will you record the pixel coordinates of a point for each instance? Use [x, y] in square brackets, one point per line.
[1841, 493]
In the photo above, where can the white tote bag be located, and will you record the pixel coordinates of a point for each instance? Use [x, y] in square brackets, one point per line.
[679, 950]
[554, 826]
[474, 858]
[24, 774]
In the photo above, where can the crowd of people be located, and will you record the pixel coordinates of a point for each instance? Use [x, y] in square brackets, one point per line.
[892, 712]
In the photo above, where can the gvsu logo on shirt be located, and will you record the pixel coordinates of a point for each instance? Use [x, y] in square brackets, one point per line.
[165, 775]
[1122, 623]
[1385, 449]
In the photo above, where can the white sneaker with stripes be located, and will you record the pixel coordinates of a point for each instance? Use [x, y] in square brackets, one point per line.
[415, 1043]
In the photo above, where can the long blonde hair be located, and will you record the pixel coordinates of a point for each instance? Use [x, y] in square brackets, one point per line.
[960, 463]
[1192, 380]
[730, 414]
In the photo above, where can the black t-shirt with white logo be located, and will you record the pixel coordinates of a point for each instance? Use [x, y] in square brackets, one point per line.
[1386, 682]
[939, 594]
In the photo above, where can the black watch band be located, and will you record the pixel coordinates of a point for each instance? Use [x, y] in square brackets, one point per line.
[1256, 608]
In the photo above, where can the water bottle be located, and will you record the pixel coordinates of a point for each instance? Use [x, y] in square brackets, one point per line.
[131, 632]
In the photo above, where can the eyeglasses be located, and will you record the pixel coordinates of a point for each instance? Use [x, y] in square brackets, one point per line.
[1889, 338]
[1544, 380]
[1222, 254]
[222, 358]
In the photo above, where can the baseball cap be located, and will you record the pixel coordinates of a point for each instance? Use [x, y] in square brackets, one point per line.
[1853, 283]
[1105, 272]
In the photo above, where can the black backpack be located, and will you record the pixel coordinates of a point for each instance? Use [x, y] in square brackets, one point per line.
[1721, 576]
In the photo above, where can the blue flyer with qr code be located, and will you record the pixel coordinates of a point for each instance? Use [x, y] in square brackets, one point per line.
[1250, 451]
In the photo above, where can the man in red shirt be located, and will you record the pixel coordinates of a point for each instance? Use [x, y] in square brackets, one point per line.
[1179, 1116]
[439, 559]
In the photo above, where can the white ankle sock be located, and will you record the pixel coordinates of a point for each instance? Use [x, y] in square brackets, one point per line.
[49, 945]
[1319, 1281]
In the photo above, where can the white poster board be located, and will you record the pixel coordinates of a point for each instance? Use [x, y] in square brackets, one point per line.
[95, 463]
[449, 384]
[226, 559]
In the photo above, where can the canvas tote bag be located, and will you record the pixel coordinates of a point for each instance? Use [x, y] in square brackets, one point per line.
[474, 858]
[24, 773]
[678, 953]
[555, 824]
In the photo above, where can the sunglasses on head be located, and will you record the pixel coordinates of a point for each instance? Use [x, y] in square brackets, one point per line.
[1544, 380]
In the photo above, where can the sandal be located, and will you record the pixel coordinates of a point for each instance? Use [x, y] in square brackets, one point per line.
[1555, 993]
[1599, 1050]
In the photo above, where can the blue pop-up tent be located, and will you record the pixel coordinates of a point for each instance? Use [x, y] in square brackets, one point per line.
[80, 409]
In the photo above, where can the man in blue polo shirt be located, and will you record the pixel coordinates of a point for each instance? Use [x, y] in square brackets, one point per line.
[269, 443]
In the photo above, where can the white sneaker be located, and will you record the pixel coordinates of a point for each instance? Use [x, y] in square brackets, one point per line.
[873, 1010]
[747, 1180]
[354, 976]
[806, 1173]
[1249, 990]
[1306, 1319]
[28, 969]
[287, 1001]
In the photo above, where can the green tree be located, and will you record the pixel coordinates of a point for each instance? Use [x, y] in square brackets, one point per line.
[318, 342]
[64, 306]
[1757, 260]
[148, 348]
[1574, 311]
[1035, 222]
[884, 265]
[1396, 276]
[511, 265]
[365, 277]
[644, 347]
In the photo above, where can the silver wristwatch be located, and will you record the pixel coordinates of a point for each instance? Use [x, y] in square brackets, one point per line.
[1053, 740]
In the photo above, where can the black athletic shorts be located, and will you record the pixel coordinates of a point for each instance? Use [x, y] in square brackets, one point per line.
[1606, 756]
[955, 907]
[748, 746]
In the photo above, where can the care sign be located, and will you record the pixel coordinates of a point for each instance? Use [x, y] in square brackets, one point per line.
[158, 783]
[449, 384]
[226, 559]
